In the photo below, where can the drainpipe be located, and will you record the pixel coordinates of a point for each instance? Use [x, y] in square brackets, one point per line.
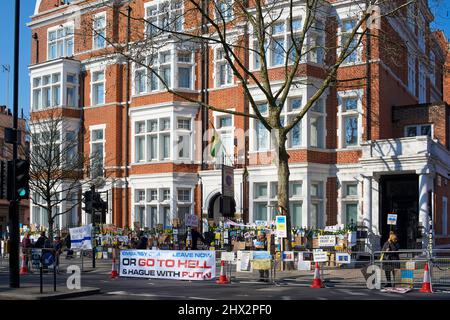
[245, 187]
[36, 40]
[127, 118]
[204, 99]
[368, 87]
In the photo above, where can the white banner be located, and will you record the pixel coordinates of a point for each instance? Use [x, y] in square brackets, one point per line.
[81, 237]
[168, 264]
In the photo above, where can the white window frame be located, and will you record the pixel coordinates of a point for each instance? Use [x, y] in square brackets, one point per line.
[97, 31]
[98, 82]
[419, 129]
[218, 62]
[159, 13]
[227, 131]
[160, 132]
[101, 127]
[183, 132]
[341, 33]
[286, 38]
[342, 114]
[314, 113]
[51, 86]
[227, 18]
[65, 39]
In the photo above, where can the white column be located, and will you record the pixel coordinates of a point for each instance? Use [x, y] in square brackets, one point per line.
[367, 203]
[306, 205]
[375, 232]
[424, 187]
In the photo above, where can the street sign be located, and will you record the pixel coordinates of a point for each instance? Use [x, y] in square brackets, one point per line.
[392, 219]
[280, 222]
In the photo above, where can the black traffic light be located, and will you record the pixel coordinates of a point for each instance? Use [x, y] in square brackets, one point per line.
[22, 190]
[4, 179]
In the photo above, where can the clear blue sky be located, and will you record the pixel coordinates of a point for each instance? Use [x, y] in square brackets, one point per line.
[440, 8]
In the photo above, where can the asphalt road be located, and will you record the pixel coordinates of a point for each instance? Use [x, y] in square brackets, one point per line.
[157, 289]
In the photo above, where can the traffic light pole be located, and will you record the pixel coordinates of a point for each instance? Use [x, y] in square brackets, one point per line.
[14, 277]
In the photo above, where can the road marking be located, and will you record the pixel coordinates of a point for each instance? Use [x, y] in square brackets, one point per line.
[199, 298]
[352, 293]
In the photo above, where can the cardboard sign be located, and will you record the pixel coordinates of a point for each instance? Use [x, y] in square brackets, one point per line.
[243, 261]
[320, 256]
[280, 222]
[304, 265]
[327, 241]
[191, 220]
[392, 219]
[343, 258]
[228, 256]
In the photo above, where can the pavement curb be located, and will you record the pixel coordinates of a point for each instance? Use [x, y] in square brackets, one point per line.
[48, 296]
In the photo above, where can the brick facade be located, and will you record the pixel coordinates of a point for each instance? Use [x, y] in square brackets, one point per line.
[385, 119]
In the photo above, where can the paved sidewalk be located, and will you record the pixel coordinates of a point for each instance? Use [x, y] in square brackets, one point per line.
[28, 292]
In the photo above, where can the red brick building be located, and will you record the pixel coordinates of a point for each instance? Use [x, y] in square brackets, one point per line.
[361, 152]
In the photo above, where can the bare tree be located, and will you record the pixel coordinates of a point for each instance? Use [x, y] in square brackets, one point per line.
[58, 168]
[240, 29]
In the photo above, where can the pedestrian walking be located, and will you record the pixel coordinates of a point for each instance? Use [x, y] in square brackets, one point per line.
[26, 249]
[57, 246]
[260, 244]
[390, 258]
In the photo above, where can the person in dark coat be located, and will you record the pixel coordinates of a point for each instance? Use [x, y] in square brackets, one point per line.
[195, 236]
[68, 244]
[143, 241]
[391, 258]
[41, 240]
[26, 248]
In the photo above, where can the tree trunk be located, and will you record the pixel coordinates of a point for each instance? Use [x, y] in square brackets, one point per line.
[283, 188]
[51, 220]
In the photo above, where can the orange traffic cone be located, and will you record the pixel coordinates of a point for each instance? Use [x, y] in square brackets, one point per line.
[317, 282]
[23, 268]
[223, 278]
[426, 285]
[114, 274]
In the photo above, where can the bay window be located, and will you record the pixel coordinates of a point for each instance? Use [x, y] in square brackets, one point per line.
[46, 91]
